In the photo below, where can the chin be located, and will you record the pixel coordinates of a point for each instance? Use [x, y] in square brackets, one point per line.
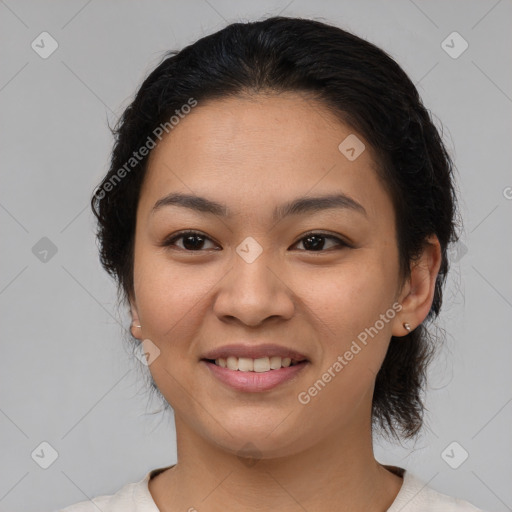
[264, 442]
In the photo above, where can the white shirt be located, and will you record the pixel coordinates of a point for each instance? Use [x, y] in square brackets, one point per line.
[414, 496]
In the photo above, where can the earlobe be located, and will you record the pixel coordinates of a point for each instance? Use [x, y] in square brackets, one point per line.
[135, 327]
[421, 287]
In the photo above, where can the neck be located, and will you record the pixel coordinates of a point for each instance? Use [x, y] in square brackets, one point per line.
[338, 473]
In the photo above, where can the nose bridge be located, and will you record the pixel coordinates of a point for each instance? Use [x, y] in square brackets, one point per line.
[252, 266]
[253, 289]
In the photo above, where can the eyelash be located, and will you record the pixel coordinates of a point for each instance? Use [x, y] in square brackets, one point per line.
[170, 241]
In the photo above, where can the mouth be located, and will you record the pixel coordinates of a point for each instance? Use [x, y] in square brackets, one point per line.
[254, 369]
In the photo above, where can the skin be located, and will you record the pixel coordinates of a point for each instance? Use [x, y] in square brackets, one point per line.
[253, 153]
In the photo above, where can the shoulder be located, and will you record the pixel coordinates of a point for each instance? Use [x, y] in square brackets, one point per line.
[123, 500]
[416, 496]
[133, 497]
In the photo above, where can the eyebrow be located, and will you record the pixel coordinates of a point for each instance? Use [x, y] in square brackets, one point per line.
[301, 205]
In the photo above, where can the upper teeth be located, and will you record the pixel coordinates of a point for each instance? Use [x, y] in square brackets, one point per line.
[246, 364]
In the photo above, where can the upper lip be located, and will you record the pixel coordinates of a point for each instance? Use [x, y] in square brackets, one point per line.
[253, 352]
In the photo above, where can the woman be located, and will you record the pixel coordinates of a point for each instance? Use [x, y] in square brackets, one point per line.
[277, 215]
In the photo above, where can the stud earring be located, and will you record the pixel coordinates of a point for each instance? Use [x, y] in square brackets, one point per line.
[407, 326]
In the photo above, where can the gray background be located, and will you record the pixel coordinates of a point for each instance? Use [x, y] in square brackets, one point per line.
[66, 377]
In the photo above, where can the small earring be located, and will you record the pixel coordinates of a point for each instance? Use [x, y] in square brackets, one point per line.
[139, 326]
[407, 326]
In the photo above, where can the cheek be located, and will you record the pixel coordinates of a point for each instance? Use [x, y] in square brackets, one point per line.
[347, 310]
[349, 298]
[170, 305]
[168, 294]
[352, 310]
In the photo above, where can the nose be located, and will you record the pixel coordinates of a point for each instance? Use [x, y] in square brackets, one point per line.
[253, 292]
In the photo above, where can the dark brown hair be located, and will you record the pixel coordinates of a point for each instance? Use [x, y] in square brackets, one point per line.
[361, 85]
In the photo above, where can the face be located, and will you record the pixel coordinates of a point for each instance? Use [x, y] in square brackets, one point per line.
[316, 280]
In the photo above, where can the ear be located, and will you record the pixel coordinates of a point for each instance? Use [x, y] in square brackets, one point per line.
[135, 327]
[418, 293]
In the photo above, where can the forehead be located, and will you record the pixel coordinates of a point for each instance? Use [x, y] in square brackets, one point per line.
[288, 123]
[261, 148]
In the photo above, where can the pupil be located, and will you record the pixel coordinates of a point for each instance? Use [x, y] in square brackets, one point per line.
[191, 245]
[315, 245]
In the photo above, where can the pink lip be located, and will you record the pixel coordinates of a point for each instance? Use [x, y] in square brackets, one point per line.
[253, 352]
[252, 382]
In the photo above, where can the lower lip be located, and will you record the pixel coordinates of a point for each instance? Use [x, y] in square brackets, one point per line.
[253, 382]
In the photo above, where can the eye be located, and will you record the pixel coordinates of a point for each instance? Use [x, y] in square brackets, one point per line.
[315, 241]
[192, 241]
